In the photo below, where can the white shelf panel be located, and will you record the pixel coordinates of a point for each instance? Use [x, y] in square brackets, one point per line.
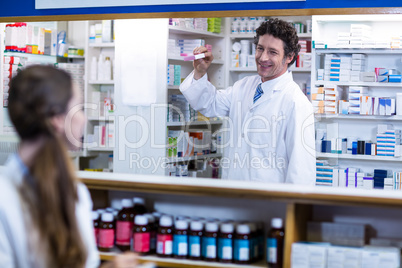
[251, 36]
[304, 35]
[358, 50]
[194, 123]
[367, 84]
[100, 118]
[73, 154]
[102, 82]
[100, 149]
[176, 58]
[188, 31]
[189, 158]
[358, 117]
[173, 87]
[359, 157]
[300, 70]
[100, 45]
[243, 69]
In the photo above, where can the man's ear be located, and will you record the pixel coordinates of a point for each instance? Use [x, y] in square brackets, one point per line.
[58, 123]
[289, 58]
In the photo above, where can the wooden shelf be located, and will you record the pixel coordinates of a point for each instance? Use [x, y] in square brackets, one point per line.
[179, 263]
[359, 157]
[198, 33]
[289, 193]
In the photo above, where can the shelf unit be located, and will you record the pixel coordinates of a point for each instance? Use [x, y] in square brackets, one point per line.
[194, 123]
[363, 127]
[302, 203]
[191, 158]
[101, 45]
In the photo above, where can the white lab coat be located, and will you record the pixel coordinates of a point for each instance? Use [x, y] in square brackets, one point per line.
[271, 140]
[19, 246]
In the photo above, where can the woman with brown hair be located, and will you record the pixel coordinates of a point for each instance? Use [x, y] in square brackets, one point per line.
[44, 209]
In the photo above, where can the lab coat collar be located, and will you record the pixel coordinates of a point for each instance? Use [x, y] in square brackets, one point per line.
[271, 86]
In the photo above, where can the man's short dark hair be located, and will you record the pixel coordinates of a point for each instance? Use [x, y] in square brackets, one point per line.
[284, 31]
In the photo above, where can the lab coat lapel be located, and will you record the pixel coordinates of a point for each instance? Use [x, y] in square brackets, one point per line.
[265, 97]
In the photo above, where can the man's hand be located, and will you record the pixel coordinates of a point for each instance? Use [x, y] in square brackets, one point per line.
[201, 66]
[125, 260]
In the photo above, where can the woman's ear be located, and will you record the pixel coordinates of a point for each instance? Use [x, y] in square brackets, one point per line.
[58, 123]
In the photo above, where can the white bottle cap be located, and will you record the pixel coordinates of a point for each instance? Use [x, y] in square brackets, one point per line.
[101, 211]
[181, 225]
[165, 221]
[150, 217]
[196, 226]
[107, 217]
[211, 227]
[276, 223]
[139, 200]
[116, 204]
[127, 203]
[227, 228]
[141, 220]
[95, 215]
[156, 214]
[109, 209]
[243, 229]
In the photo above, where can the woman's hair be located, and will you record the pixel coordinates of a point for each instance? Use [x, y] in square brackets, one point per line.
[36, 94]
[284, 31]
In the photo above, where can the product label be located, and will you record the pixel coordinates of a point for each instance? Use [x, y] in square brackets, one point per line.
[241, 250]
[225, 248]
[272, 247]
[164, 244]
[180, 245]
[142, 242]
[106, 238]
[96, 233]
[209, 247]
[194, 246]
[123, 232]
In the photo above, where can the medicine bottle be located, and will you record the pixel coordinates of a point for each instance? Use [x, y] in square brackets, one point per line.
[242, 244]
[210, 242]
[225, 243]
[180, 239]
[153, 229]
[164, 238]
[124, 225]
[139, 206]
[141, 235]
[106, 232]
[194, 240]
[253, 242]
[275, 244]
[261, 240]
[95, 219]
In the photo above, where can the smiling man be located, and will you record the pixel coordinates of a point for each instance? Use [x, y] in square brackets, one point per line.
[271, 120]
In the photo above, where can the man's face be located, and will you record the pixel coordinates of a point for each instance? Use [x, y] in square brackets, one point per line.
[270, 57]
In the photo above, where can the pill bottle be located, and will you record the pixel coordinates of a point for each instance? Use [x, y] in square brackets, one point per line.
[253, 242]
[124, 225]
[275, 243]
[106, 232]
[194, 240]
[242, 244]
[153, 229]
[180, 239]
[141, 235]
[164, 238]
[139, 206]
[210, 242]
[95, 219]
[225, 243]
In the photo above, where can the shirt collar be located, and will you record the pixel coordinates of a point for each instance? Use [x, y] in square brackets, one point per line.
[273, 84]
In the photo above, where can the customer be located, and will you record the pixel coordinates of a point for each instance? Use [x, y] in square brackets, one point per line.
[44, 209]
[271, 121]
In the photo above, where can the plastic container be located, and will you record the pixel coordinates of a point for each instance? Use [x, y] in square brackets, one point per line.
[242, 244]
[164, 238]
[106, 232]
[124, 225]
[95, 219]
[141, 235]
[194, 240]
[275, 243]
[180, 239]
[225, 243]
[210, 242]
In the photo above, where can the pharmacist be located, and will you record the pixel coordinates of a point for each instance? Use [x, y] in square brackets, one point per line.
[271, 121]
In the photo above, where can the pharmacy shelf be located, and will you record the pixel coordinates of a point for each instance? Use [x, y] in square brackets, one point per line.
[173, 87]
[365, 84]
[198, 33]
[101, 82]
[359, 157]
[194, 123]
[101, 118]
[251, 36]
[100, 149]
[189, 158]
[101, 45]
[176, 58]
[243, 69]
[357, 117]
[300, 70]
[180, 263]
[358, 51]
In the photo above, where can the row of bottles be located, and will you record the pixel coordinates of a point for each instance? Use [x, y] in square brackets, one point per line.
[184, 238]
[101, 69]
